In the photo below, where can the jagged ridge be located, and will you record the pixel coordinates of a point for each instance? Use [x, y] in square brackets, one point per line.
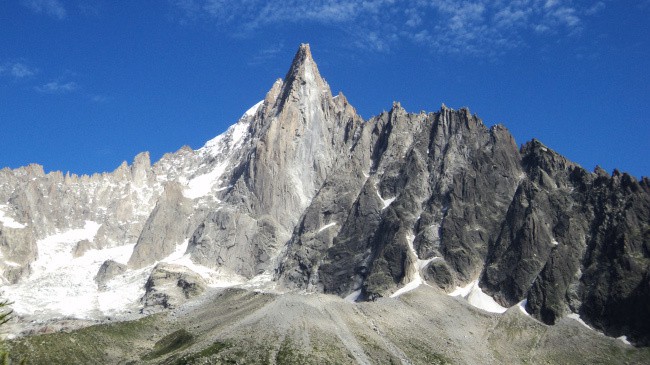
[303, 189]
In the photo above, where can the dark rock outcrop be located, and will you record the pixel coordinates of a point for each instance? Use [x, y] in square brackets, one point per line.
[528, 223]
[170, 285]
[108, 271]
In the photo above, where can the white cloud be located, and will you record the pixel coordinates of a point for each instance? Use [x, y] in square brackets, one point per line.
[268, 53]
[20, 70]
[56, 87]
[17, 69]
[596, 8]
[99, 98]
[567, 16]
[512, 17]
[467, 26]
[53, 8]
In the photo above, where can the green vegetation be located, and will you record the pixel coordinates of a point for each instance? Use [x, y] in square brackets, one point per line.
[375, 352]
[204, 354]
[5, 316]
[290, 355]
[422, 353]
[170, 343]
[104, 343]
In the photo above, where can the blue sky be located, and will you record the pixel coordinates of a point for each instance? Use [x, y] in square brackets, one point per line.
[87, 84]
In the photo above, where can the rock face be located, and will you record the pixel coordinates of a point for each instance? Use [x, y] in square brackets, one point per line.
[304, 189]
[170, 285]
[295, 140]
[81, 248]
[166, 226]
[108, 271]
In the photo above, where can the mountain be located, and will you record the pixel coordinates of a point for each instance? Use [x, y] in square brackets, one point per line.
[302, 195]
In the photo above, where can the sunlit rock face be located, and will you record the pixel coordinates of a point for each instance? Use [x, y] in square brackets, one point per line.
[302, 193]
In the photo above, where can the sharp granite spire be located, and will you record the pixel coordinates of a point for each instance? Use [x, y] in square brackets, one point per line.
[303, 82]
[295, 143]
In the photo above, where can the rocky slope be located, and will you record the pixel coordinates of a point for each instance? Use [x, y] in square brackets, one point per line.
[303, 191]
[421, 327]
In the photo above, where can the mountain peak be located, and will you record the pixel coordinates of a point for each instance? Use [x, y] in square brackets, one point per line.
[303, 64]
[304, 52]
[303, 77]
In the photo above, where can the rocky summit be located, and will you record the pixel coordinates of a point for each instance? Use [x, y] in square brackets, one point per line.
[303, 196]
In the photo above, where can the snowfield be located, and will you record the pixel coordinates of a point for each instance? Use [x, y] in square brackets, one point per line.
[476, 297]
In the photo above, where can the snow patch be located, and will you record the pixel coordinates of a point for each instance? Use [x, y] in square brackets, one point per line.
[251, 112]
[202, 185]
[521, 176]
[423, 263]
[483, 301]
[213, 278]
[321, 229]
[522, 306]
[477, 298]
[417, 278]
[233, 137]
[462, 291]
[259, 280]
[386, 202]
[8, 221]
[576, 316]
[352, 297]
[624, 340]
[238, 134]
[413, 284]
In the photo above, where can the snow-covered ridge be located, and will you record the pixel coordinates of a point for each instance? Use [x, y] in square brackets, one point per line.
[233, 136]
[252, 110]
[221, 149]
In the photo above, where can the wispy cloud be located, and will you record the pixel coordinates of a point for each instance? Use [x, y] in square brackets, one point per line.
[267, 53]
[595, 8]
[56, 87]
[99, 98]
[53, 8]
[20, 70]
[17, 69]
[468, 26]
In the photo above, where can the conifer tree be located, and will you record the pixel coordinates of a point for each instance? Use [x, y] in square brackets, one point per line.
[5, 316]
